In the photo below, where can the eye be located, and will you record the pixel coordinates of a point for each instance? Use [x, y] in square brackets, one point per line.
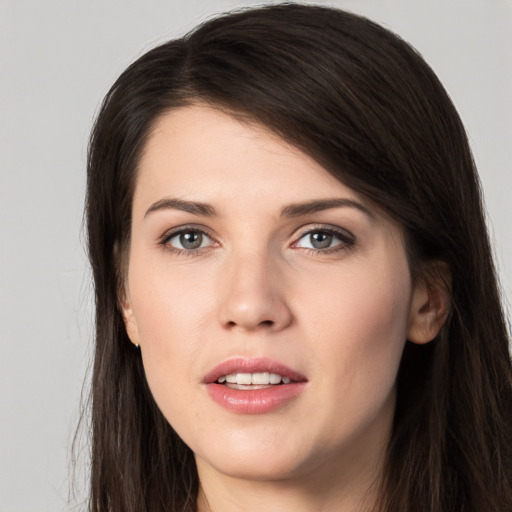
[325, 240]
[187, 240]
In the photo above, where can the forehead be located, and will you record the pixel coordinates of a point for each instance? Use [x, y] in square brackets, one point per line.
[200, 150]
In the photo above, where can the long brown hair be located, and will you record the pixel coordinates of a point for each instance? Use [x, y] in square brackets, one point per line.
[366, 106]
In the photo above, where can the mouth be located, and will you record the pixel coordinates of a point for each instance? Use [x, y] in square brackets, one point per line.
[253, 386]
[258, 380]
[252, 372]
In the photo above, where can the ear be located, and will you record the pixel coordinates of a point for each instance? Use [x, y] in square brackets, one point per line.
[130, 321]
[430, 304]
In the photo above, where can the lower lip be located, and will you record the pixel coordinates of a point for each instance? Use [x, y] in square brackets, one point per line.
[254, 401]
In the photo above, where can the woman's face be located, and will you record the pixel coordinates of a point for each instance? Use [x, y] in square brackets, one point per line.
[250, 263]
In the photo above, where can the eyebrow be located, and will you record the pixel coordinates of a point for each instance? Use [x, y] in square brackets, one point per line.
[193, 207]
[291, 210]
[309, 207]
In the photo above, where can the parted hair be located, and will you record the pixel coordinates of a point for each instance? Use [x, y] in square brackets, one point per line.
[365, 105]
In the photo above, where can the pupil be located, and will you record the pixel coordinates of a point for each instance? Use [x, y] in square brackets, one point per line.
[191, 240]
[321, 240]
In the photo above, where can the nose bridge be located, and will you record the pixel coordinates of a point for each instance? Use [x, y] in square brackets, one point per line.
[253, 291]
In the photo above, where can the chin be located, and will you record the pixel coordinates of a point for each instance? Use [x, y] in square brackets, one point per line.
[260, 461]
[260, 470]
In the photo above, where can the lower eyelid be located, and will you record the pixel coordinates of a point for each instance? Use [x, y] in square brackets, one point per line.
[164, 243]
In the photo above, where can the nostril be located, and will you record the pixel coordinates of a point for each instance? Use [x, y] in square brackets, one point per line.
[253, 309]
[263, 323]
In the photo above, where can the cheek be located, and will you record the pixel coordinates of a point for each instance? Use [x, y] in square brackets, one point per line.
[375, 315]
[169, 331]
[169, 306]
[362, 298]
[359, 329]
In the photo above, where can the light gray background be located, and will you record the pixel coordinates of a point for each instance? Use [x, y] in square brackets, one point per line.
[57, 60]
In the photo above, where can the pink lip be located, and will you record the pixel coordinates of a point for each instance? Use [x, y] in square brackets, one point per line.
[245, 365]
[257, 401]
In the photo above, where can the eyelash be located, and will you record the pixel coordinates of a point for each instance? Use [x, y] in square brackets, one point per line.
[165, 239]
[347, 240]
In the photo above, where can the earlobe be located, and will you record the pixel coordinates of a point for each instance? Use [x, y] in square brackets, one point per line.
[130, 322]
[430, 306]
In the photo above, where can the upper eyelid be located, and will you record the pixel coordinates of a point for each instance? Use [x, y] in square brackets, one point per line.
[323, 227]
[172, 232]
[164, 241]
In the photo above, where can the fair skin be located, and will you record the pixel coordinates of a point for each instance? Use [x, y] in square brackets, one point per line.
[224, 266]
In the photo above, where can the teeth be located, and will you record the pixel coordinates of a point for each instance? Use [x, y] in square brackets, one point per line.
[243, 378]
[274, 378]
[259, 379]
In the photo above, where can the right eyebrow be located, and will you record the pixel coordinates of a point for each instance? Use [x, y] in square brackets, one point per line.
[193, 207]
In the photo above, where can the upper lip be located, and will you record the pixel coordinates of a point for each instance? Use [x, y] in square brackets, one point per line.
[252, 365]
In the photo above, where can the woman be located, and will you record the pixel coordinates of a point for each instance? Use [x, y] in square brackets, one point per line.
[296, 303]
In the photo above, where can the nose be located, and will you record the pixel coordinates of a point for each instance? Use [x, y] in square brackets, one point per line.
[253, 295]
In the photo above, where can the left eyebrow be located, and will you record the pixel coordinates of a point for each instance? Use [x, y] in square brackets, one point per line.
[309, 207]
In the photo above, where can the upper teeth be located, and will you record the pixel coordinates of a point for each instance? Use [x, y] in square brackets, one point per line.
[254, 378]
